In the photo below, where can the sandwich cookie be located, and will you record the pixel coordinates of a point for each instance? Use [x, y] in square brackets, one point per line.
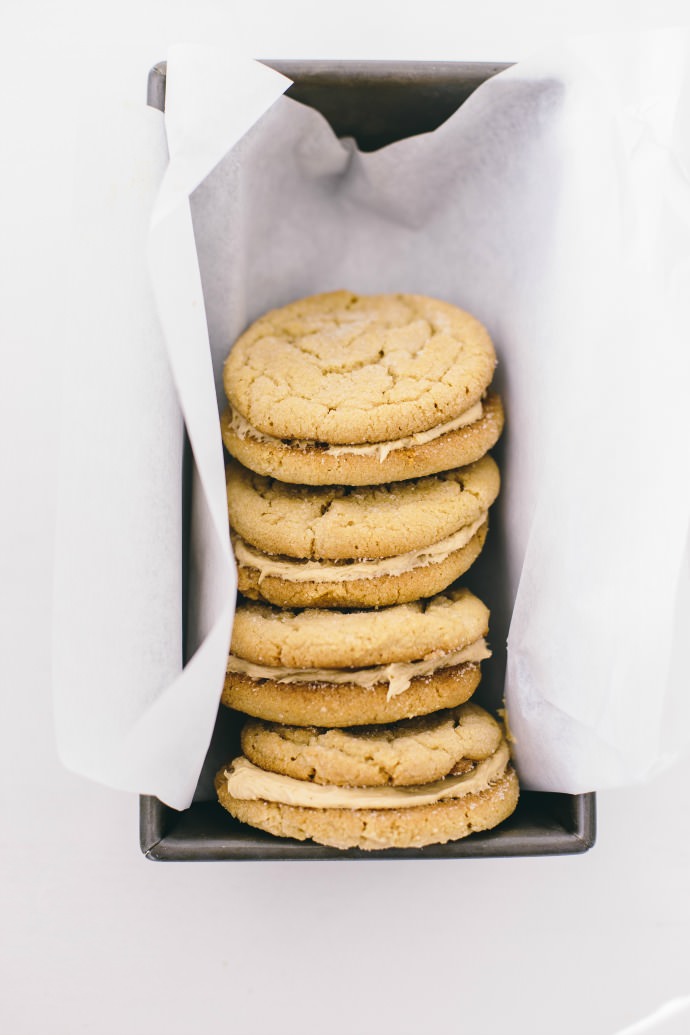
[360, 390]
[477, 790]
[318, 667]
[372, 546]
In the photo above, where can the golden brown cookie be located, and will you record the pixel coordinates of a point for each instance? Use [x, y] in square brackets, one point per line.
[312, 462]
[413, 751]
[316, 638]
[333, 668]
[344, 369]
[326, 703]
[298, 546]
[382, 583]
[339, 522]
[489, 798]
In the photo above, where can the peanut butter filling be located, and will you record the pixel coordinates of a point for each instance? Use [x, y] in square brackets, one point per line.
[249, 783]
[349, 571]
[398, 675]
[243, 429]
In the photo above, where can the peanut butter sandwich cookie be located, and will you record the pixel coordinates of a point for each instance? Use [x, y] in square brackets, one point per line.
[318, 667]
[370, 546]
[424, 781]
[361, 390]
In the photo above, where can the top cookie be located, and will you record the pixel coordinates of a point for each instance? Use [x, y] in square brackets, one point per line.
[342, 369]
[314, 638]
[413, 751]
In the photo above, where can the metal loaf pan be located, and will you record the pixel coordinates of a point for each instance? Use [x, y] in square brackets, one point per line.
[376, 103]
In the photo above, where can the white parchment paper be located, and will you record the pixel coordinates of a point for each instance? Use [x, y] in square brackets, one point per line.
[554, 205]
[137, 363]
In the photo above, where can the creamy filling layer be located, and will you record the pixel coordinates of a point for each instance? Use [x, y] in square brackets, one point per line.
[243, 429]
[249, 783]
[326, 571]
[398, 675]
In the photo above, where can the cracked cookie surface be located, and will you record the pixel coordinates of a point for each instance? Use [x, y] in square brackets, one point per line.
[341, 368]
[338, 522]
[413, 751]
[315, 637]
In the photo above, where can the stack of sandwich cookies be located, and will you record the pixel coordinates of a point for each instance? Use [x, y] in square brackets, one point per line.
[358, 494]
[418, 782]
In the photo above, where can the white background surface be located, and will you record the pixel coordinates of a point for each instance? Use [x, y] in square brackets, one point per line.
[95, 939]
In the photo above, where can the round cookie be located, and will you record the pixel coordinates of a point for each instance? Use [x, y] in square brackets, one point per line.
[339, 522]
[320, 703]
[344, 369]
[316, 638]
[334, 585]
[376, 829]
[414, 751]
[311, 462]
